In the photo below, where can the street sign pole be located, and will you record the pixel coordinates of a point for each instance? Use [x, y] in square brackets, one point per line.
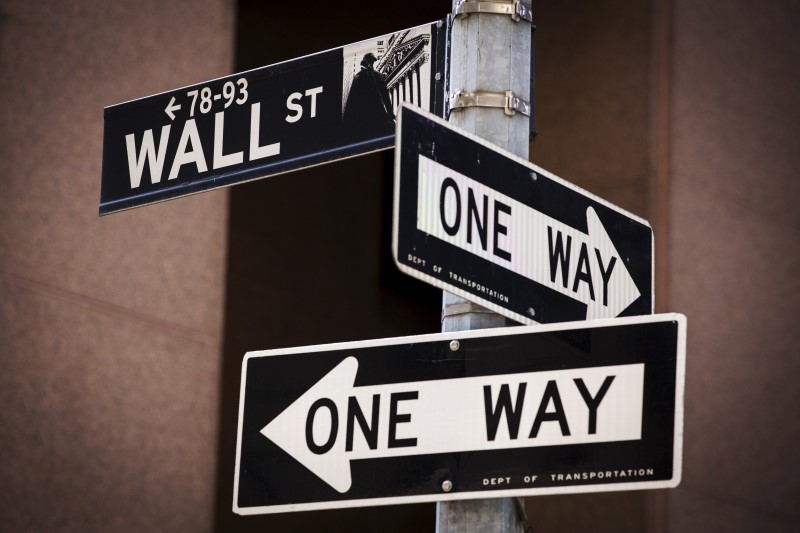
[490, 65]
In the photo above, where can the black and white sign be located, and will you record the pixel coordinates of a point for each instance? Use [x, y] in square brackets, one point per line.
[575, 407]
[283, 117]
[491, 227]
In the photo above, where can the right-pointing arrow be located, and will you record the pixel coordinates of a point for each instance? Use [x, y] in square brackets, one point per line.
[609, 266]
[334, 422]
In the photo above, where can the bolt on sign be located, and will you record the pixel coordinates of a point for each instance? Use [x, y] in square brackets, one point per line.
[291, 115]
[575, 407]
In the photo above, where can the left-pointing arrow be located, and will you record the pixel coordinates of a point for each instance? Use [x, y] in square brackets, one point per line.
[285, 429]
[171, 108]
[333, 422]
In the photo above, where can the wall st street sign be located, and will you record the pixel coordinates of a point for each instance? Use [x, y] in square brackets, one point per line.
[575, 407]
[475, 220]
[304, 112]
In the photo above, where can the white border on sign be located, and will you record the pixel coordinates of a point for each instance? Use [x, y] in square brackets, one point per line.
[436, 282]
[677, 457]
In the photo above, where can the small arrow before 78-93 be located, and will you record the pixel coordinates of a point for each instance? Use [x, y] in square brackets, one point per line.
[171, 108]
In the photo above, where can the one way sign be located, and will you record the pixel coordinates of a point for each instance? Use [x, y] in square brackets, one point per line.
[576, 407]
[482, 223]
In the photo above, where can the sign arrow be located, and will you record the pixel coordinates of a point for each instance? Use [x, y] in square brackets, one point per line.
[333, 422]
[580, 265]
[171, 108]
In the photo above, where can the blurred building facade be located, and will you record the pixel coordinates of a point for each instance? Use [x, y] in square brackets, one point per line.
[121, 337]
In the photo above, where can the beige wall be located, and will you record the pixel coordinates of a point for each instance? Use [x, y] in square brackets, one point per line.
[733, 261]
[110, 328]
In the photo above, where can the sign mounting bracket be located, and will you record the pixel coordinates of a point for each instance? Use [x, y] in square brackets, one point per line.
[510, 103]
[516, 9]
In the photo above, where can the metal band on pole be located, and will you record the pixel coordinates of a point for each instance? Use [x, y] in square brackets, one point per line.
[515, 9]
[508, 101]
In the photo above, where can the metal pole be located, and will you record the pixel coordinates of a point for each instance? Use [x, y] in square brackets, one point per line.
[490, 54]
